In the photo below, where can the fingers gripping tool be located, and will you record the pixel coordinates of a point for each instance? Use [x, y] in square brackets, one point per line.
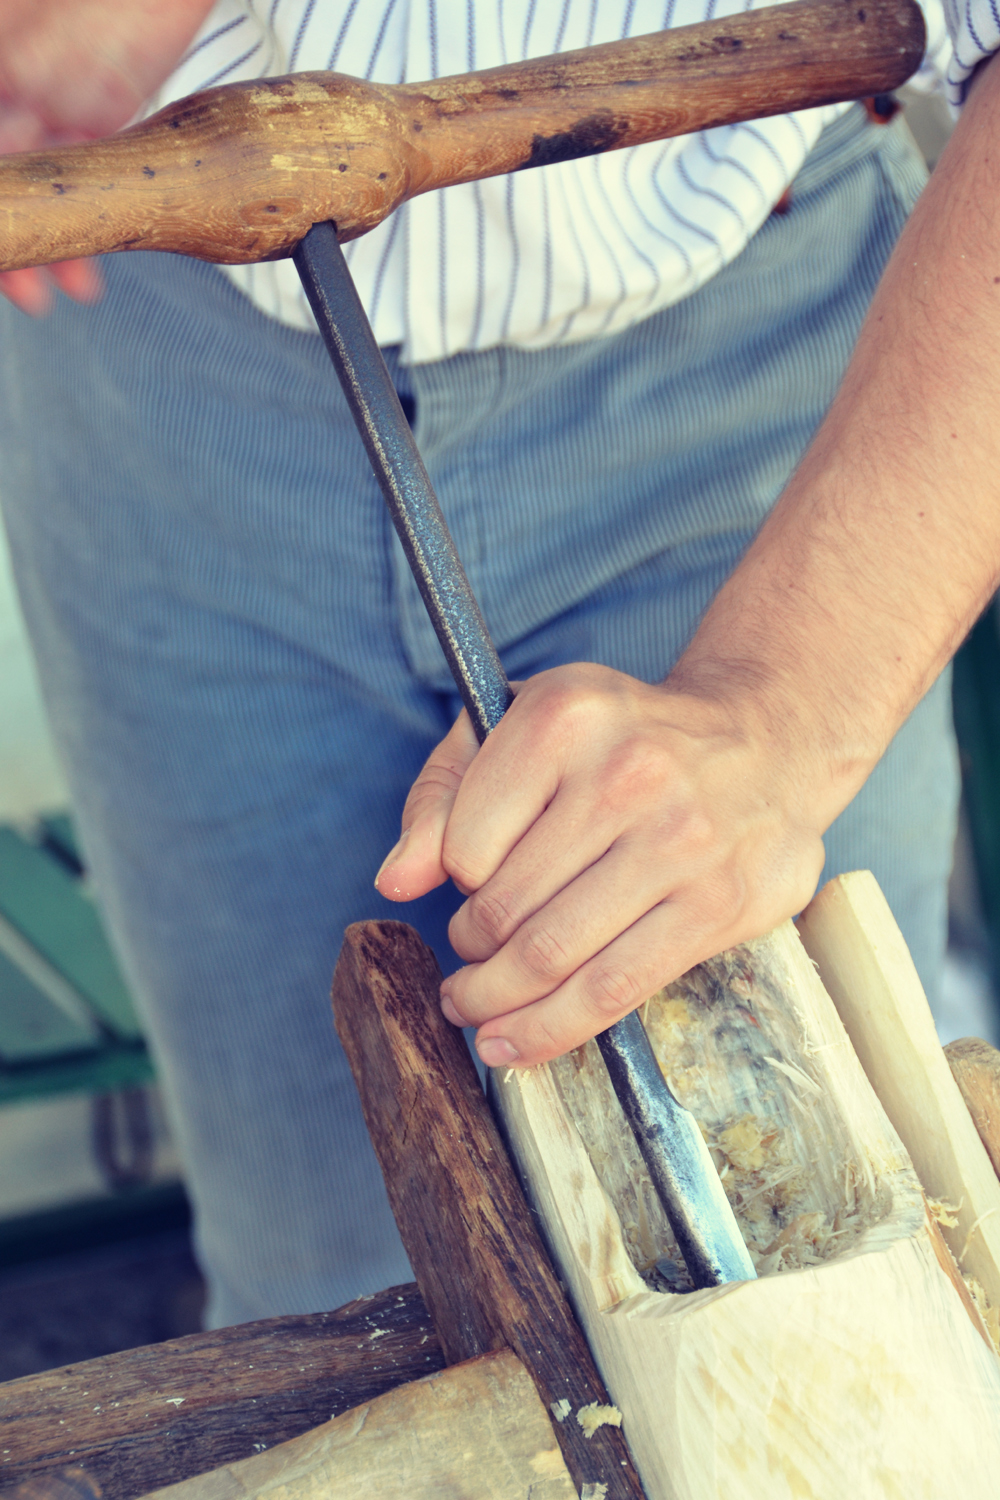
[667, 1135]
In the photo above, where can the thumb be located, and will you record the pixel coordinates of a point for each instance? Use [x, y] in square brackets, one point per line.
[414, 866]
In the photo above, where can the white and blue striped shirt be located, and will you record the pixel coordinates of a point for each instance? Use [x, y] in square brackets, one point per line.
[565, 252]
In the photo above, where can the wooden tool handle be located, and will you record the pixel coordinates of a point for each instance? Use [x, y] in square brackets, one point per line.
[256, 1384]
[976, 1069]
[467, 1228]
[240, 173]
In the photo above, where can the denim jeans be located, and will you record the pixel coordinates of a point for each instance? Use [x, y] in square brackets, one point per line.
[243, 684]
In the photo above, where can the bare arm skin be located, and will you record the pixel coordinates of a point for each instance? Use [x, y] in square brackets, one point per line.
[612, 834]
[72, 70]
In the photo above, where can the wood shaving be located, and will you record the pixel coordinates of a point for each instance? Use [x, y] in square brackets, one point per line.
[968, 1238]
[795, 1074]
[595, 1415]
[943, 1213]
[560, 1409]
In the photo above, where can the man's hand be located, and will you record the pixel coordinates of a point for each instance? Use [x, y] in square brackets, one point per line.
[72, 70]
[612, 834]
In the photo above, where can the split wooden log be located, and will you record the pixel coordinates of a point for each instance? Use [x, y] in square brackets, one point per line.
[480, 1265]
[849, 933]
[857, 1363]
[475, 1432]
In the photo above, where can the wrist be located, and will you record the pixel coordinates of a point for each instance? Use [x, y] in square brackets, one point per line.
[808, 747]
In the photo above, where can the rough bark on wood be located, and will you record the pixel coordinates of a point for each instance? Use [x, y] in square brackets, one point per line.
[240, 172]
[849, 933]
[475, 1432]
[150, 1416]
[852, 1366]
[975, 1067]
[464, 1221]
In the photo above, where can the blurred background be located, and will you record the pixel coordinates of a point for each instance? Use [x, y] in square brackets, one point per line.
[94, 1243]
[94, 1222]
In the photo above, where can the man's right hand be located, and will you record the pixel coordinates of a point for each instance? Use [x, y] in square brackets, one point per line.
[73, 70]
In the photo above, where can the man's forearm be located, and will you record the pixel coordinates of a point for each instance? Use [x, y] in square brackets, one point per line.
[886, 543]
[612, 834]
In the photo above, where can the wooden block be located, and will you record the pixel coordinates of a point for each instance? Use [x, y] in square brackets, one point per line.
[467, 1229]
[975, 1067]
[850, 934]
[475, 1432]
[147, 1417]
[856, 1364]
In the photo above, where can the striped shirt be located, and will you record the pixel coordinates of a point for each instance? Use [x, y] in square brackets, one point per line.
[565, 252]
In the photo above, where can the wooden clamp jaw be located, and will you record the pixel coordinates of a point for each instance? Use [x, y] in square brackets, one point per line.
[480, 1264]
[240, 173]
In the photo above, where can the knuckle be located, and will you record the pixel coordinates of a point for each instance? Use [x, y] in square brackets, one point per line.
[566, 705]
[436, 783]
[735, 896]
[460, 864]
[638, 771]
[492, 915]
[731, 898]
[545, 1042]
[541, 955]
[612, 992]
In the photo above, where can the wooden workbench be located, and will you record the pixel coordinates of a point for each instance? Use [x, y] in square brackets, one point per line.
[148, 1417]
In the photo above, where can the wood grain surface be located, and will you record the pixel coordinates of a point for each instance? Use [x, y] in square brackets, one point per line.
[850, 1367]
[975, 1066]
[851, 936]
[467, 1228]
[148, 1417]
[475, 1432]
[239, 173]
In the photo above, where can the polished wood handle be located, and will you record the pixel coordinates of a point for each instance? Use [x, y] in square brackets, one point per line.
[239, 173]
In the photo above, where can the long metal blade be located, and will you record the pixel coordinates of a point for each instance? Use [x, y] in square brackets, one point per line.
[677, 1159]
[667, 1135]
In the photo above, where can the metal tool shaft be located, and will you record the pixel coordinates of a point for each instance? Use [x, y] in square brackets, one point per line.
[667, 1135]
[405, 483]
[677, 1159]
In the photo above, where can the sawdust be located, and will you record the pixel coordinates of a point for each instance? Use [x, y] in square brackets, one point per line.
[943, 1213]
[731, 1054]
[595, 1415]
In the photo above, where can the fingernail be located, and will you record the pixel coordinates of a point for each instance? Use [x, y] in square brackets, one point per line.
[497, 1052]
[451, 1014]
[393, 855]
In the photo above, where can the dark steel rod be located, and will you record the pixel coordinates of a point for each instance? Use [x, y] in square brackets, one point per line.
[405, 483]
[667, 1135]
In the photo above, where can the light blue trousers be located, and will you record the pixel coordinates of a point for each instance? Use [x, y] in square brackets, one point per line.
[243, 683]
